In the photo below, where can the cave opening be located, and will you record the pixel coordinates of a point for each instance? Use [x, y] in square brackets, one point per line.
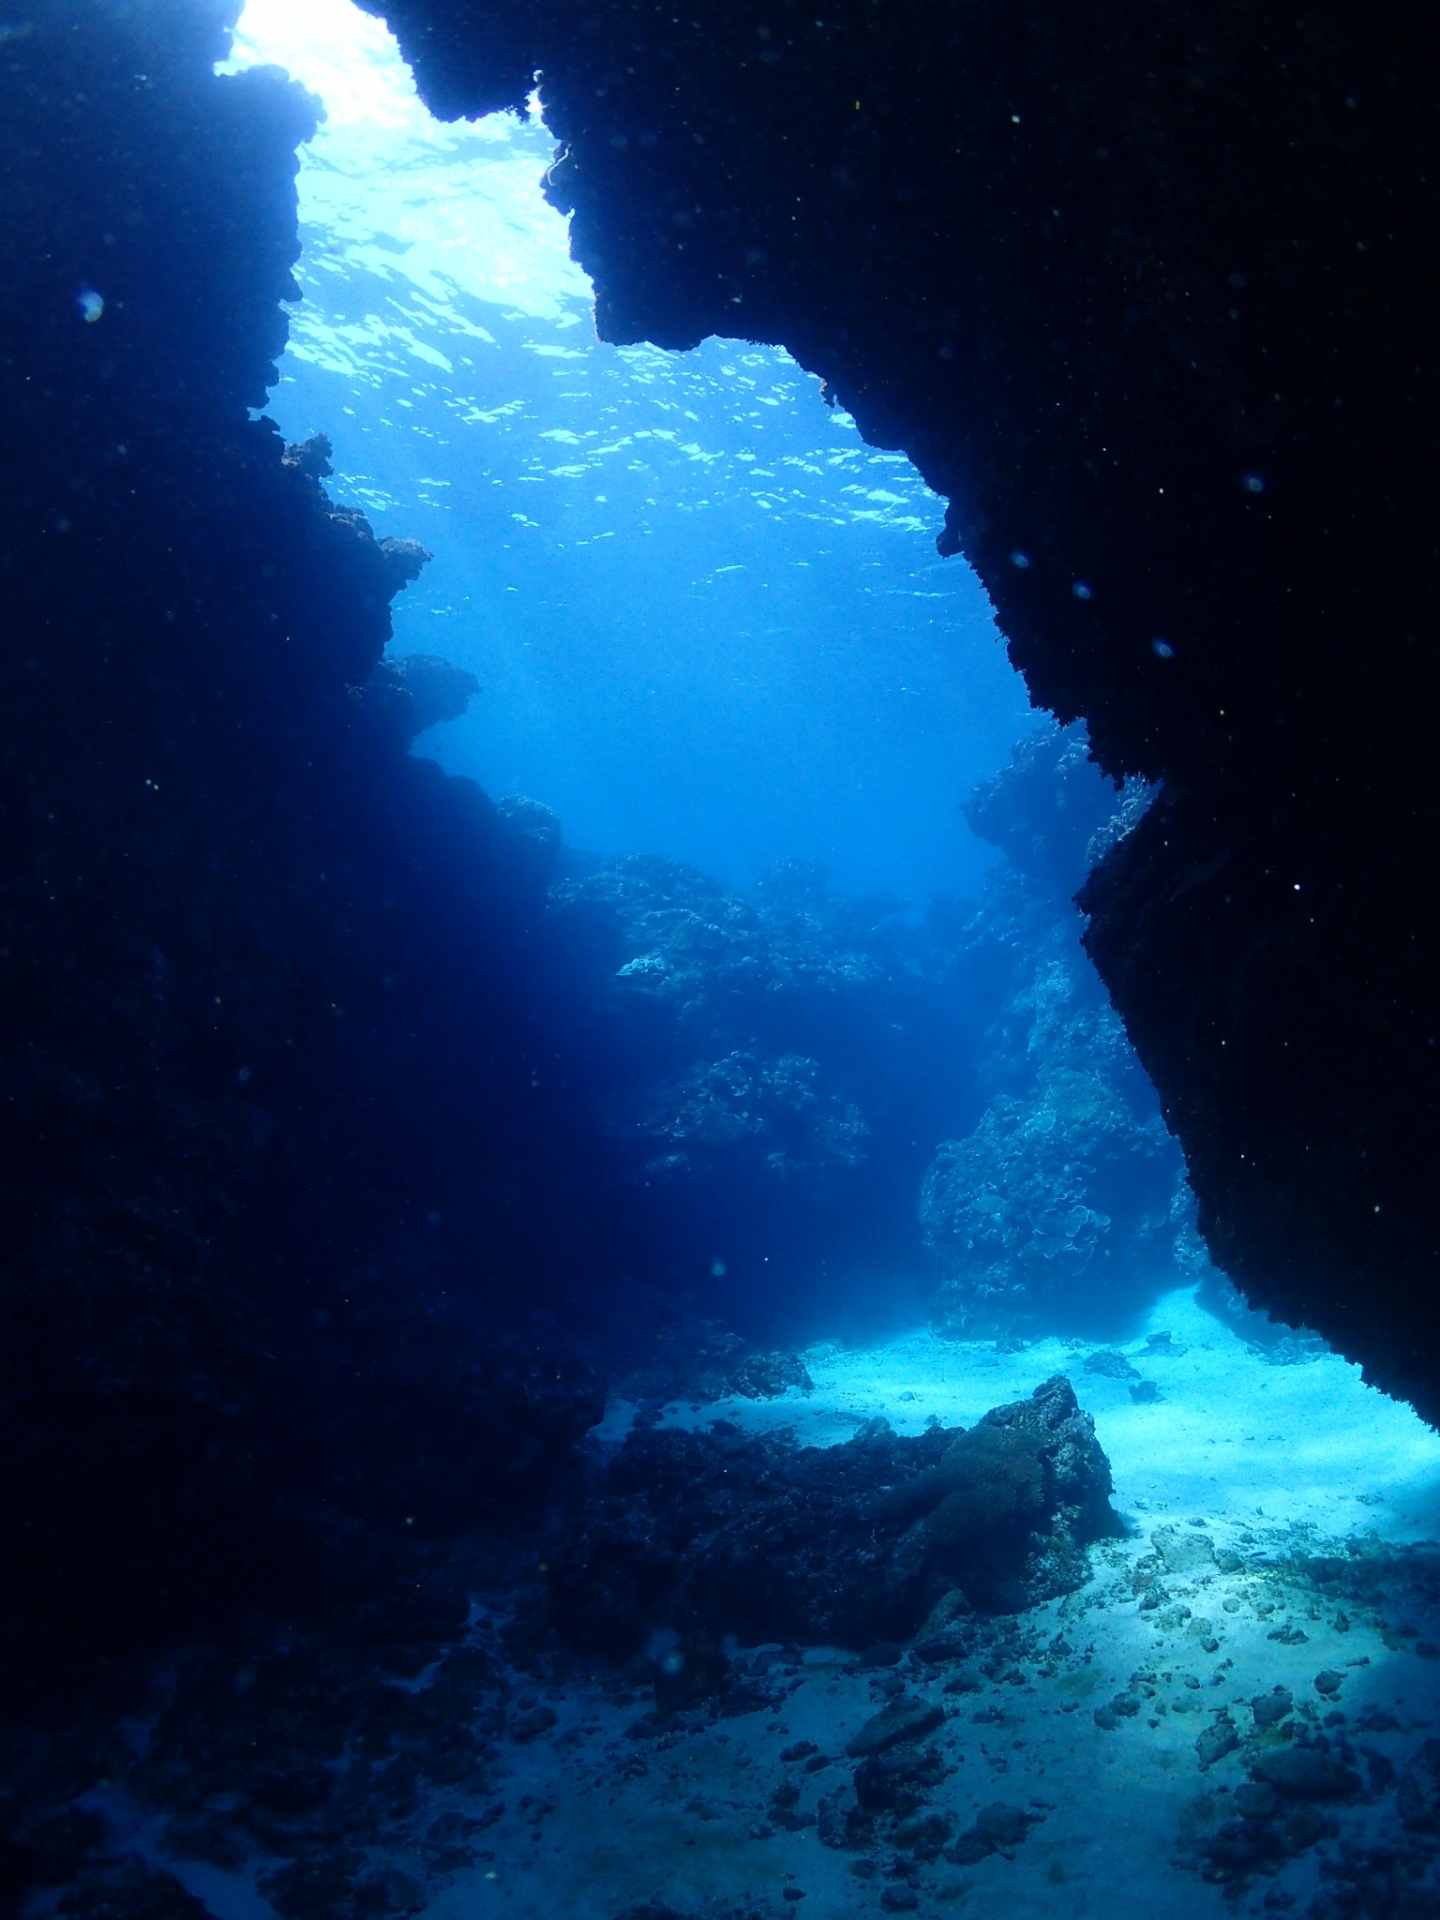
[722, 669]
[708, 620]
[602, 1317]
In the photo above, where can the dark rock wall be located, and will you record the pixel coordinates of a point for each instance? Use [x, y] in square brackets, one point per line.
[837, 1546]
[271, 1082]
[1150, 295]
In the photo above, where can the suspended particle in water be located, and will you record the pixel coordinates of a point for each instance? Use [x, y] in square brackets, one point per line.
[91, 305]
[1162, 649]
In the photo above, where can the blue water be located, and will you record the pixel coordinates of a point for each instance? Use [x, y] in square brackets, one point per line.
[709, 621]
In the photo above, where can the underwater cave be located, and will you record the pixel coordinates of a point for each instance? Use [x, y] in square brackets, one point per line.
[720, 1103]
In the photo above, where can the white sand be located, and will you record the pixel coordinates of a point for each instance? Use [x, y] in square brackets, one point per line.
[1253, 1451]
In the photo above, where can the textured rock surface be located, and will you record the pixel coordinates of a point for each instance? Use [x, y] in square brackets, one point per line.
[1066, 1203]
[1150, 297]
[776, 1068]
[265, 1039]
[842, 1545]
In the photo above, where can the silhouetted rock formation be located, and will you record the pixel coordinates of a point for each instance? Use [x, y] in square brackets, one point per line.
[840, 1546]
[265, 1036]
[1150, 295]
[319, 1100]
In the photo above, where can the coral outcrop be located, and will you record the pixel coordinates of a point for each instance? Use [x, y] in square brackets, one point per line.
[1061, 1207]
[840, 1546]
[775, 1069]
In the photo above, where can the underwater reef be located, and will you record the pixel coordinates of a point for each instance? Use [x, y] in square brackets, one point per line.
[771, 1071]
[347, 1113]
[845, 1546]
[359, 1136]
[1066, 1204]
[776, 1073]
[1149, 296]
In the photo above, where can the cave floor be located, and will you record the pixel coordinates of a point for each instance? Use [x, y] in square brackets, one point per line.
[1281, 1525]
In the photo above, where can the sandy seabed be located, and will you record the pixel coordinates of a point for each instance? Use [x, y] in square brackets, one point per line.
[1277, 1521]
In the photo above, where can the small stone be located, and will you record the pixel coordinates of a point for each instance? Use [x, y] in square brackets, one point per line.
[966, 1680]
[950, 1631]
[926, 1835]
[1006, 1825]
[1329, 1682]
[1271, 1708]
[1189, 1552]
[1218, 1739]
[998, 1828]
[903, 1719]
[1111, 1364]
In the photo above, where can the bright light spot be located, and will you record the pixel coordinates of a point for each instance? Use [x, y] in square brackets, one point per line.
[348, 58]
[452, 208]
[91, 305]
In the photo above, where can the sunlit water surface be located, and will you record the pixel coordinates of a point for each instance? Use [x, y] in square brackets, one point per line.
[709, 621]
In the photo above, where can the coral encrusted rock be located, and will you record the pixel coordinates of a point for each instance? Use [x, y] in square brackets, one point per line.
[845, 1545]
